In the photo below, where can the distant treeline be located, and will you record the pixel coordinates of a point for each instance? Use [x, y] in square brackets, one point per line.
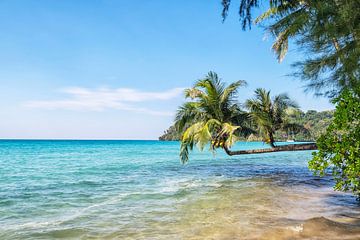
[313, 125]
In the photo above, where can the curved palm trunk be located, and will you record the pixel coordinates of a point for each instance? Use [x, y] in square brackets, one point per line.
[283, 148]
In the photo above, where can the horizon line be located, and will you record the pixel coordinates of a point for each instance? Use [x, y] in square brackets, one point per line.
[75, 139]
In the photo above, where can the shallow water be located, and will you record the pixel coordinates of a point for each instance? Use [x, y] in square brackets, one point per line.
[139, 190]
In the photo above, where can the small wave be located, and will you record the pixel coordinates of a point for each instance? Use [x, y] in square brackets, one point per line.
[173, 186]
[70, 217]
[324, 227]
[298, 228]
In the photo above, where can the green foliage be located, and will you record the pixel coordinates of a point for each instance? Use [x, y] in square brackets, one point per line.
[212, 116]
[305, 126]
[339, 147]
[246, 7]
[330, 39]
[171, 134]
[298, 125]
[327, 31]
[269, 114]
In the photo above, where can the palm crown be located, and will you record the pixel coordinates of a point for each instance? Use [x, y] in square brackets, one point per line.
[212, 116]
[268, 114]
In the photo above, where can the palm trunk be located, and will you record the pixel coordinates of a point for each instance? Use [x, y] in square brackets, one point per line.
[289, 147]
[272, 140]
[336, 44]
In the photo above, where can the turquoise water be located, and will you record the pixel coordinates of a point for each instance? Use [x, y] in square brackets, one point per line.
[139, 190]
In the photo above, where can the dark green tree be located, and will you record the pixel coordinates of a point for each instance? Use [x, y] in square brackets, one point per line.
[339, 147]
[327, 31]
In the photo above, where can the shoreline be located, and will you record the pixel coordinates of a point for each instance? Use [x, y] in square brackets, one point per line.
[139, 190]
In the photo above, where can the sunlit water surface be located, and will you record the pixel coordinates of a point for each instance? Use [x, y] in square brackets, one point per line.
[139, 190]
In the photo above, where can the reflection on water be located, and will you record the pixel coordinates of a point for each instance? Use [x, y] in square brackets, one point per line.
[138, 190]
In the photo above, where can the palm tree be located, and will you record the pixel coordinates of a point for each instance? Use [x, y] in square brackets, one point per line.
[212, 116]
[269, 114]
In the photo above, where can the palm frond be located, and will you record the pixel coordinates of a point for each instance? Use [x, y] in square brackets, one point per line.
[186, 115]
[228, 131]
[230, 92]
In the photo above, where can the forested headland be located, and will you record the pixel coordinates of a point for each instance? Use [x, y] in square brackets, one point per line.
[312, 124]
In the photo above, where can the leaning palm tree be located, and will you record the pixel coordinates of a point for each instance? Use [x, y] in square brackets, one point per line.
[269, 114]
[212, 116]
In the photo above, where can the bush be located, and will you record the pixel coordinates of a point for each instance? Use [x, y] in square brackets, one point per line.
[339, 146]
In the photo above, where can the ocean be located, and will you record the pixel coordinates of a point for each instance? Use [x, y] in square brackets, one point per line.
[74, 189]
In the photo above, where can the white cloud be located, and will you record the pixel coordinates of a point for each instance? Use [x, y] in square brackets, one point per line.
[104, 98]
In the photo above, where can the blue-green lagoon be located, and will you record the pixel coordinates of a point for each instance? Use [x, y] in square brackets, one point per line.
[139, 190]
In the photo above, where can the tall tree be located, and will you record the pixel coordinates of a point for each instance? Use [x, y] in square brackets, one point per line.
[269, 114]
[328, 31]
[339, 147]
[212, 116]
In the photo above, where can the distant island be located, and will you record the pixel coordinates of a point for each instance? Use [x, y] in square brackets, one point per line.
[313, 125]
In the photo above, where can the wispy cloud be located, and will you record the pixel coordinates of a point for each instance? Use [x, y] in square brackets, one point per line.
[99, 99]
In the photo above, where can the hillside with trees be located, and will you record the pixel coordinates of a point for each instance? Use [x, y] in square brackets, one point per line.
[308, 126]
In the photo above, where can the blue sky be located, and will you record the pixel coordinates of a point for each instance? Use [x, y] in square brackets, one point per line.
[115, 69]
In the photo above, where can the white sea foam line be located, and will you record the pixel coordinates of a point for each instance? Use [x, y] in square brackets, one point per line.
[299, 228]
[71, 217]
[174, 185]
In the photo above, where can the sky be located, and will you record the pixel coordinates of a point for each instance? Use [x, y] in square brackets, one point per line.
[116, 69]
